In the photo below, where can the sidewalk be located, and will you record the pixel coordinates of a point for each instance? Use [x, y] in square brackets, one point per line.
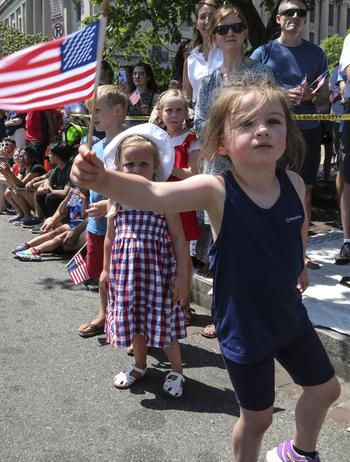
[58, 403]
[340, 411]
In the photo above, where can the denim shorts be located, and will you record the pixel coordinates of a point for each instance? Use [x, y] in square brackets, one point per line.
[305, 360]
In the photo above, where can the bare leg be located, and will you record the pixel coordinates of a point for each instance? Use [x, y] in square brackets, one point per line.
[47, 236]
[140, 353]
[248, 433]
[28, 197]
[37, 208]
[173, 353]
[308, 190]
[52, 244]
[311, 411]
[101, 315]
[345, 209]
[9, 196]
[186, 303]
[21, 203]
[3, 187]
[339, 182]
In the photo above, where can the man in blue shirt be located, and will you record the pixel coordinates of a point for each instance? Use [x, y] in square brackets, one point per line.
[296, 64]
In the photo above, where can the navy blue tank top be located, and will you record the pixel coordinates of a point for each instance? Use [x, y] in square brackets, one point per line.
[256, 260]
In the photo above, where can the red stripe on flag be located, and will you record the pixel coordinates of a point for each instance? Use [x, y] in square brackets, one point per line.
[16, 62]
[57, 94]
[33, 79]
[79, 273]
[72, 79]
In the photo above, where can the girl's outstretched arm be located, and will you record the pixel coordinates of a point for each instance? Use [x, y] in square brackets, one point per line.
[198, 192]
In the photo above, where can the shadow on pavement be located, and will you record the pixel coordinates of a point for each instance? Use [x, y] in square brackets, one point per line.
[52, 283]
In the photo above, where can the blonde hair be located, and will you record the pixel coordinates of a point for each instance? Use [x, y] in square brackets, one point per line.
[228, 103]
[110, 95]
[219, 15]
[132, 139]
[171, 94]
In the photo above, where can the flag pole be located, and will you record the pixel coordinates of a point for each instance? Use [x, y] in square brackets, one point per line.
[105, 8]
[81, 248]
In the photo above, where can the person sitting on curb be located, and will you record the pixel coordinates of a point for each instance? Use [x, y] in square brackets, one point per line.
[16, 194]
[51, 192]
[7, 152]
[58, 232]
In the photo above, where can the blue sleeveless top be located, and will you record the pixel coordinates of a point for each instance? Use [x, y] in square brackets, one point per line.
[256, 260]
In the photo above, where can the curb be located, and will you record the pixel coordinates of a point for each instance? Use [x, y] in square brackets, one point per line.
[336, 344]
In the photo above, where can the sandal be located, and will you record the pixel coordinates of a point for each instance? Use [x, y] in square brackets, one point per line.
[130, 350]
[125, 379]
[312, 265]
[173, 384]
[189, 315]
[204, 271]
[209, 331]
[94, 329]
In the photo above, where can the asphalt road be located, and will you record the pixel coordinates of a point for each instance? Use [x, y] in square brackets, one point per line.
[57, 401]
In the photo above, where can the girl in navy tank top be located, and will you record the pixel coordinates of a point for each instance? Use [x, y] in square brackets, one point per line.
[257, 218]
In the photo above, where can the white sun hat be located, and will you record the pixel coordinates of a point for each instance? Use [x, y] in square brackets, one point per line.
[153, 133]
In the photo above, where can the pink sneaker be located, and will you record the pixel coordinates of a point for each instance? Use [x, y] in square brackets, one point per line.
[285, 453]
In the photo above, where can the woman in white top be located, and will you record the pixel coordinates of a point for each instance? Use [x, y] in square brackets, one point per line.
[203, 59]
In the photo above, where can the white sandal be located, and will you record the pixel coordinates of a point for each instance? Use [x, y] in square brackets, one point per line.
[125, 379]
[174, 388]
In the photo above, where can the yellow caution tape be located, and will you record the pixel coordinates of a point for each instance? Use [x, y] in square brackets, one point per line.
[321, 116]
[83, 116]
[295, 117]
[137, 118]
[87, 116]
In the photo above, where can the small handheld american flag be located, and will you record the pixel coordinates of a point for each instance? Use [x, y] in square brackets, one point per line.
[135, 97]
[77, 268]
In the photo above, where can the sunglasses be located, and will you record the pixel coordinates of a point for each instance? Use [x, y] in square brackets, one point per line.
[236, 27]
[291, 12]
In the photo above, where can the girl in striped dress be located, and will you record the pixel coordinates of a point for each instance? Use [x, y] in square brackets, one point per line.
[145, 287]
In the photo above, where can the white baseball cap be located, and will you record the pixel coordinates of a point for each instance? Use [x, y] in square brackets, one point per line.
[153, 133]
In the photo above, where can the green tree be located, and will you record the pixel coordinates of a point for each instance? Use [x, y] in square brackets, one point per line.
[12, 40]
[137, 26]
[332, 46]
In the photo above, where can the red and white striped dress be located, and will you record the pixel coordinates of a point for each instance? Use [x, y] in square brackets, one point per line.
[141, 272]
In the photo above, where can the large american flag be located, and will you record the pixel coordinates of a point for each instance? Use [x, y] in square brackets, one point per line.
[51, 74]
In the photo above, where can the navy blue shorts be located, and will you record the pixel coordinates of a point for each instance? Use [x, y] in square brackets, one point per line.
[306, 361]
[311, 164]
